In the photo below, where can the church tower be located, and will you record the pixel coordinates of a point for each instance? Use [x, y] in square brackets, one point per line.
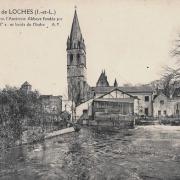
[76, 63]
[102, 81]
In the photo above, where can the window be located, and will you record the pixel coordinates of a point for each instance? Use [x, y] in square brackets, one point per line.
[146, 111]
[177, 111]
[165, 112]
[146, 98]
[78, 59]
[161, 102]
[159, 113]
[71, 58]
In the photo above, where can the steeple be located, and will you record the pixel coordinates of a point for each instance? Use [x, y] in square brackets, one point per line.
[115, 83]
[102, 81]
[75, 29]
[76, 64]
[75, 40]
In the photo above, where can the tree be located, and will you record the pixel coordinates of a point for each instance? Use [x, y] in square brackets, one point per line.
[14, 107]
[169, 80]
[176, 49]
[74, 94]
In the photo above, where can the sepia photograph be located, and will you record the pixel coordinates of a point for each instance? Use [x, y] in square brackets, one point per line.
[90, 90]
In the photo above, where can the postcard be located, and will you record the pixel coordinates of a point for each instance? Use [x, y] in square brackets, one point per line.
[89, 90]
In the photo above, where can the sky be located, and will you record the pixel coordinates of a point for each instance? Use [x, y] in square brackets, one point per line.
[124, 37]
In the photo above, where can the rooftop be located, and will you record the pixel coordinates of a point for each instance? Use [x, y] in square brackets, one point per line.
[127, 89]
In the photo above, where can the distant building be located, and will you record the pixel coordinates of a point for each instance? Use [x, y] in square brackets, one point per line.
[144, 93]
[165, 106]
[102, 81]
[113, 104]
[51, 104]
[78, 89]
[162, 105]
[26, 87]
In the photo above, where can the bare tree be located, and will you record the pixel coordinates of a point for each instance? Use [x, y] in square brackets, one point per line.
[73, 95]
[169, 80]
[176, 49]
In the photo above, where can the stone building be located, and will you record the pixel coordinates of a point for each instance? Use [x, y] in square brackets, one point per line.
[78, 89]
[115, 108]
[167, 106]
[26, 87]
[144, 93]
[76, 64]
[113, 103]
[51, 104]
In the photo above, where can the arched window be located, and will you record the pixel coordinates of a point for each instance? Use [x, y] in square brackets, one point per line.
[79, 44]
[78, 59]
[74, 45]
[71, 58]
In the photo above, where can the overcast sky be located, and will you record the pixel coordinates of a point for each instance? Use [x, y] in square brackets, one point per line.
[123, 37]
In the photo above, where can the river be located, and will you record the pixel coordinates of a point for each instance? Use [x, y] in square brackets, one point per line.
[148, 153]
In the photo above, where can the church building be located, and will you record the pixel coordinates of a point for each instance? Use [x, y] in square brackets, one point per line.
[80, 92]
[76, 64]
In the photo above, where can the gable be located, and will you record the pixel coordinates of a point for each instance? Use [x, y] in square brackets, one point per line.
[115, 94]
[161, 97]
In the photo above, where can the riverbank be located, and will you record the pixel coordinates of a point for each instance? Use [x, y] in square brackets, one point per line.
[59, 132]
[158, 127]
[146, 152]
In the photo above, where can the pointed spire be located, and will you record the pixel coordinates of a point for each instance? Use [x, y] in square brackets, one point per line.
[76, 40]
[115, 83]
[102, 81]
[68, 43]
[75, 29]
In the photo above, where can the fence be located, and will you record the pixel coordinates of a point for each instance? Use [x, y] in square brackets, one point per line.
[157, 120]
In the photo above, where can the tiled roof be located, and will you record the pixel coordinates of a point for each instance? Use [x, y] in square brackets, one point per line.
[49, 96]
[132, 89]
[26, 84]
[160, 93]
[128, 89]
[115, 100]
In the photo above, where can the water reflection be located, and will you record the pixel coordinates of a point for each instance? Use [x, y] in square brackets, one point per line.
[93, 154]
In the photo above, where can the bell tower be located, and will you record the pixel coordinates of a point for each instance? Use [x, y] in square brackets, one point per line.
[76, 63]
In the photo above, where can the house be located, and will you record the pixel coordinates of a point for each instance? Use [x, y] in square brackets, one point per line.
[145, 95]
[143, 92]
[113, 104]
[162, 106]
[167, 106]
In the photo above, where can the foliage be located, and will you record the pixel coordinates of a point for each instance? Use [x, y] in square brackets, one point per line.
[15, 106]
[35, 134]
[176, 49]
[75, 91]
[170, 79]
